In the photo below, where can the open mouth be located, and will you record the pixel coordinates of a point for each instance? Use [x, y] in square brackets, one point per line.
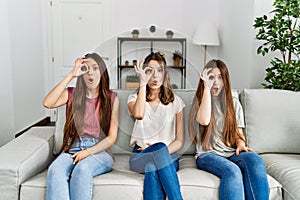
[215, 90]
[90, 80]
[154, 82]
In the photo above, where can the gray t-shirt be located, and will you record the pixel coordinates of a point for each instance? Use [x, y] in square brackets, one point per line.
[219, 147]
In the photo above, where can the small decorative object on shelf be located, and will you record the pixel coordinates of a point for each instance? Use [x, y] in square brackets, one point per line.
[169, 34]
[134, 62]
[135, 33]
[177, 57]
[152, 28]
[132, 82]
[126, 63]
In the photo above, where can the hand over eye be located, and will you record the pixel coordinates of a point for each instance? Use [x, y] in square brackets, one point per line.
[206, 77]
[145, 74]
[80, 67]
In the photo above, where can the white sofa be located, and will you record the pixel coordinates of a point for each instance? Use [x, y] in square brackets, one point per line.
[272, 128]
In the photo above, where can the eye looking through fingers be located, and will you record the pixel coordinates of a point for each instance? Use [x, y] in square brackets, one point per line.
[84, 67]
[148, 71]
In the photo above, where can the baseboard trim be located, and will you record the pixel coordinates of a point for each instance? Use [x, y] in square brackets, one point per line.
[44, 122]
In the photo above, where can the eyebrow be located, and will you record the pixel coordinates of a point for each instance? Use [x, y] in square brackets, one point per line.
[95, 64]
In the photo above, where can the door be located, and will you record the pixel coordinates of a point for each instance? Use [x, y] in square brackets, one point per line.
[78, 27]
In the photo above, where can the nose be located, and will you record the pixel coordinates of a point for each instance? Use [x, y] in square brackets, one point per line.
[216, 81]
[154, 73]
[90, 70]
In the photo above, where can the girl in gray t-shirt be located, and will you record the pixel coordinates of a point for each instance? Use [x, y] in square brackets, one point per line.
[215, 127]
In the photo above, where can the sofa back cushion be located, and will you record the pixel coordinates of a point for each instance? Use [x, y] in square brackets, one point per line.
[59, 128]
[272, 120]
[126, 123]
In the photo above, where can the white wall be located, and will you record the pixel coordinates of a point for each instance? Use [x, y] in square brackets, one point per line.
[26, 78]
[234, 19]
[22, 60]
[7, 125]
[179, 15]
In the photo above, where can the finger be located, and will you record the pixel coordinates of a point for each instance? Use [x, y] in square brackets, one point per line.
[75, 160]
[202, 77]
[140, 149]
[141, 64]
[148, 144]
[209, 71]
[74, 155]
[148, 71]
[249, 149]
[137, 70]
[79, 61]
[237, 152]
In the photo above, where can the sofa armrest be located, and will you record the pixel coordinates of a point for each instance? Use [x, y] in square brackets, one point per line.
[23, 158]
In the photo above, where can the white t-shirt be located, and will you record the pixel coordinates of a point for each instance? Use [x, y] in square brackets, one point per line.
[219, 147]
[158, 125]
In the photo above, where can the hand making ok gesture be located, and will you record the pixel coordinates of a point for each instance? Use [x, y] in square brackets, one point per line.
[145, 74]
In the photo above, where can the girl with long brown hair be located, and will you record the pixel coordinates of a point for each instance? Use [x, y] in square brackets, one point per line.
[215, 127]
[92, 115]
[158, 130]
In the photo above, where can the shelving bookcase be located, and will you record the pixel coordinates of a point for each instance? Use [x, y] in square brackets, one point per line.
[151, 40]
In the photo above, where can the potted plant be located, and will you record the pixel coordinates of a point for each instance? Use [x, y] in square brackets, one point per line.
[135, 33]
[169, 34]
[281, 32]
[177, 57]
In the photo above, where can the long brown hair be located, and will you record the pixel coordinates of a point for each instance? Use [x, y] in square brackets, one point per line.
[166, 94]
[76, 109]
[230, 129]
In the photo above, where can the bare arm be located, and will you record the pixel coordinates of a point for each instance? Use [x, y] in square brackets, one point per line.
[179, 140]
[204, 111]
[58, 96]
[137, 108]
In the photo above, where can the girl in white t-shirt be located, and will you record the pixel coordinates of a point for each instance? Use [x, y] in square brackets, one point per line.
[158, 130]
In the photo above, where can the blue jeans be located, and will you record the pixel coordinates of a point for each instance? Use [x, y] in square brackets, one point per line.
[160, 171]
[68, 181]
[242, 177]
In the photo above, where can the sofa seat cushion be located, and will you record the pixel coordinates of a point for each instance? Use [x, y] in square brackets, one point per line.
[285, 168]
[120, 182]
[199, 184]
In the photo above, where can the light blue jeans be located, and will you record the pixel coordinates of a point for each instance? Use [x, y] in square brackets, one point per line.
[68, 181]
[160, 171]
[242, 177]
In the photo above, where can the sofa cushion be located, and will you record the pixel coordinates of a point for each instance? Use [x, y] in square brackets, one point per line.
[120, 182]
[272, 120]
[59, 128]
[285, 168]
[24, 157]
